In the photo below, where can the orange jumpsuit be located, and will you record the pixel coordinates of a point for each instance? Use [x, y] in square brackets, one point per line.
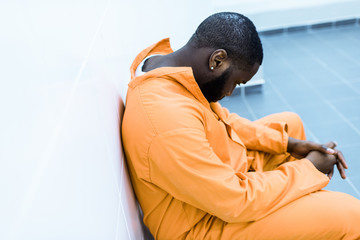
[200, 172]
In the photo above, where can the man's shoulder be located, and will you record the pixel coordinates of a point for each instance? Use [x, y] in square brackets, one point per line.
[165, 104]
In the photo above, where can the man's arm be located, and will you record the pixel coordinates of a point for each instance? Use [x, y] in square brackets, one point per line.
[274, 139]
[183, 164]
[271, 138]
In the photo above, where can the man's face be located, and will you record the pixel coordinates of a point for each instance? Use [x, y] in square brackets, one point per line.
[225, 84]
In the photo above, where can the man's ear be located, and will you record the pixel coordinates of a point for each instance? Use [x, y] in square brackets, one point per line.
[217, 59]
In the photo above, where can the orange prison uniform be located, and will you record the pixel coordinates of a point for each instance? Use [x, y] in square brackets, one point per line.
[200, 172]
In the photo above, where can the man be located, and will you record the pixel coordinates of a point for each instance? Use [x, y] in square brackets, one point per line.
[200, 172]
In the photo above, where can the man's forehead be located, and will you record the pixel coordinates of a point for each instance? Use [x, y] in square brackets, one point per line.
[251, 70]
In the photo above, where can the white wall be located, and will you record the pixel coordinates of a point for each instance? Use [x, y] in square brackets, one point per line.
[63, 65]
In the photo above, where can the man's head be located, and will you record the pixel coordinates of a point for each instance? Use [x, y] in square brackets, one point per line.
[233, 50]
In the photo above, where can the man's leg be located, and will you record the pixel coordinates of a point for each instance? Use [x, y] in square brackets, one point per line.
[319, 215]
[294, 123]
[260, 161]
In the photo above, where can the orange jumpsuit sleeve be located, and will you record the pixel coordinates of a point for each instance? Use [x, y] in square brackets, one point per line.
[183, 164]
[271, 138]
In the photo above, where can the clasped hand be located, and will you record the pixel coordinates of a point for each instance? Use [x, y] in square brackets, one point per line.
[324, 157]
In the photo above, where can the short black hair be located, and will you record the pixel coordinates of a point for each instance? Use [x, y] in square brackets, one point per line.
[232, 32]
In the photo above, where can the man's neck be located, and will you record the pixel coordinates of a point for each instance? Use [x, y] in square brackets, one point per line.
[178, 58]
[187, 56]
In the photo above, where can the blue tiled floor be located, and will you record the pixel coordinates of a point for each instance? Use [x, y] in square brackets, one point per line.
[315, 73]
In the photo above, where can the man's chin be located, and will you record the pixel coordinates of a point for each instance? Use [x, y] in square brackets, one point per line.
[221, 98]
[217, 99]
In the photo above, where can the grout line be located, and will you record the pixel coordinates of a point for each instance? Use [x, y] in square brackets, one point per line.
[343, 117]
[353, 186]
[49, 149]
[333, 107]
[283, 99]
[323, 98]
[354, 39]
[341, 52]
[322, 63]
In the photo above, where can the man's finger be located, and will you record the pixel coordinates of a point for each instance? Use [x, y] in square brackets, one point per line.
[327, 150]
[331, 173]
[328, 147]
[331, 144]
[341, 169]
[341, 158]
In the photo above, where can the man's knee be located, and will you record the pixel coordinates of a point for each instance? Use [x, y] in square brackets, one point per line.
[295, 125]
[349, 219]
[344, 216]
[319, 215]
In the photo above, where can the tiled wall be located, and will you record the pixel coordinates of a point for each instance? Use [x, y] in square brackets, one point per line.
[268, 15]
